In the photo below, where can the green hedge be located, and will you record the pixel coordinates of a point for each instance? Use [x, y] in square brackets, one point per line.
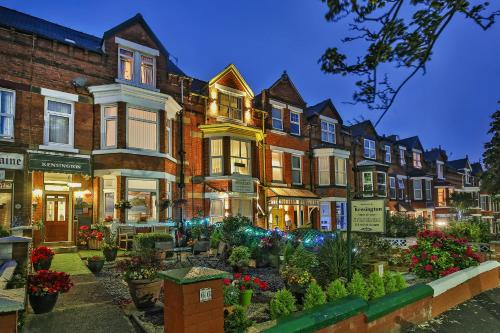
[147, 241]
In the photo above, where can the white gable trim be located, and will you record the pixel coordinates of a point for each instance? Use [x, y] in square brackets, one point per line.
[325, 118]
[277, 104]
[294, 109]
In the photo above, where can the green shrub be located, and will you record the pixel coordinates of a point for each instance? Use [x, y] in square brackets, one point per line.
[357, 286]
[400, 281]
[147, 241]
[402, 225]
[3, 232]
[332, 260]
[390, 282]
[288, 251]
[282, 304]
[240, 256]
[232, 229]
[336, 290]
[303, 259]
[231, 295]
[215, 238]
[314, 296]
[237, 322]
[473, 229]
[375, 286]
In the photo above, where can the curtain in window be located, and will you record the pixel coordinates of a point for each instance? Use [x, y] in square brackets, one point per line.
[296, 170]
[324, 172]
[240, 157]
[277, 165]
[242, 207]
[126, 64]
[6, 113]
[340, 171]
[58, 129]
[216, 156]
[147, 70]
[142, 129]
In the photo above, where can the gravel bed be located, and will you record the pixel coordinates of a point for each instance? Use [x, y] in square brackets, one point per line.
[114, 285]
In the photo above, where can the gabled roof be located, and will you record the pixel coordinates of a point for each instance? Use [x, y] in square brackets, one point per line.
[317, 109]
[284, 78]
[22, 22]
[360, 129]
[477, 168]
[197, 86]
[411, 143]
[459, 164]
[232, 68]
[434, 154]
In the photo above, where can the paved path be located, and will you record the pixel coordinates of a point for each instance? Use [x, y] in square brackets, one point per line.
[478, 315]
[85, 308]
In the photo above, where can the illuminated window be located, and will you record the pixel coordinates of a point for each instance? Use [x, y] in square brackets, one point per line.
[216, 210]
[369, 150]
[126, 65]
[215, 156]
[109, 121]
[417, 189]
[147, 70]
[240, 157]
[441, 197]
[340, 171]
[325, 216]
[327, 131]
[294, 123]
[230, 106]
[136, 67]
[142, 129]
[142, 195]
[324, 170]
[367, 184]
[417, 162]
[242, 207]
[277, 165]
[341, 217]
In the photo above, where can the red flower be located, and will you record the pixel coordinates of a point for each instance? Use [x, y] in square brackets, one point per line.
[256, 280]
[242, 288]
[434, 257]
[423, 255]
[246, 278]
[237, 276]
[414, 260]
[263, 285]
[428, 267]
[227, 281]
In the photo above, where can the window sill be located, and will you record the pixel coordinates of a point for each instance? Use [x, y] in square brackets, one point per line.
[6, 139]
[133, 152]
[59, 148]
[277, 131]
[136, 84]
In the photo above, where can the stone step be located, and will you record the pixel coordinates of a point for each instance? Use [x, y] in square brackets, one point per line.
[64, 249]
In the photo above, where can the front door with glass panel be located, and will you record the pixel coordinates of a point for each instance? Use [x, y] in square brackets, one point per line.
[56, 217]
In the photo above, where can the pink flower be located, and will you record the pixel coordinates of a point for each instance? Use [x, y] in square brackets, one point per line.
[237, 276]
[227, 282]
[414, 260]
[423, 255]
[434, 257]
[428, 267]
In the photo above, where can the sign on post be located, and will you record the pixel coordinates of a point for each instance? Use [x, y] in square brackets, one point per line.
[368, 215]
[205, 294]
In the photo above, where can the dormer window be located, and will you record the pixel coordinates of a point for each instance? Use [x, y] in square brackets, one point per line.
[369, 151]
[387, 154]
[126, 64]
[440, 170]
[277, 115]
[467, 176]
[147, 70]
[327, 131]
[230, 106]
[417, 161]
[136, 63]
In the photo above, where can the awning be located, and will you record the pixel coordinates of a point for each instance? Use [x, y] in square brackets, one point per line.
[292, 196]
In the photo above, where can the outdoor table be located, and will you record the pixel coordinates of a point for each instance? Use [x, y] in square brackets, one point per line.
[178, 252]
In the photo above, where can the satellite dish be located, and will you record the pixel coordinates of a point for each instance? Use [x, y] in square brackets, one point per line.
[79, 82]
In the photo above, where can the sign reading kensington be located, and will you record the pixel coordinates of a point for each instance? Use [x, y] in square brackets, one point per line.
[368, 215]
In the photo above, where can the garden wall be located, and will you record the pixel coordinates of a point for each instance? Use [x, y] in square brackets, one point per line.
[398, 310]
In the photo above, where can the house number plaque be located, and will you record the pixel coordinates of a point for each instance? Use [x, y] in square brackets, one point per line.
[205, 294]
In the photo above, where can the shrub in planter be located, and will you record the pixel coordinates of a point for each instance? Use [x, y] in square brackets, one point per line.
[110, 248]
[390, 282]
[215, 238]
[41, 258]
[375, 286]
[231, 293]
[237, 321]
[95, 263]
[44, 288]
[400, 281]
[438, 254]
[314, 296]
[336, 290]
[239, 258]
[357, 286]
[149, 240]
[282, 304]
[232, 229]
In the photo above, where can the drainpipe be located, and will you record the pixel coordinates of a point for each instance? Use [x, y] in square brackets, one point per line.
[180, 185]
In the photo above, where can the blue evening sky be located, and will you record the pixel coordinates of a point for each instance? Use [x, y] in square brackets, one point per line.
[449, 106]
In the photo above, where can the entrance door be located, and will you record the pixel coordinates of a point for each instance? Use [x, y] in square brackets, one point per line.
[56, 217]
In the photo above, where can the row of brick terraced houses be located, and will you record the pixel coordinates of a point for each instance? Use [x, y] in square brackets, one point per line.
[91, 122]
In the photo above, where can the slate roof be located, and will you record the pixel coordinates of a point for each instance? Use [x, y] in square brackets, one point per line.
[317, 108]
[477, 168]
[359, 129]
[26, 23]
[433, 154]
[411, 142]
[198, 86]
[458, 164]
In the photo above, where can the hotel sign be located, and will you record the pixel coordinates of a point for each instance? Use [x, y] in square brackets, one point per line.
[56, 163]
[368, 215]
[242, 185]
[11, 161]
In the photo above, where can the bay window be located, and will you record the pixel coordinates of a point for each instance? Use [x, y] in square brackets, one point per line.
[324, 170]
[417, 189]
[340, 171]
[109, 126]
[369, 149]
[401, 188]
[59, 122]
[216, 210]
[325, 216]
[230, 106]
[341, 217]
[277, 165]
[277, 118]
[240, 157]
[242, 207]
[428, 190]
[381, 184]
[327, 131]
[367, 178]
[216, 156]
[7, 110]
[168, 136]
[295, 123]
[142, 129]
[108, 197]
[142, 195]
[392, 187]
[296, 170]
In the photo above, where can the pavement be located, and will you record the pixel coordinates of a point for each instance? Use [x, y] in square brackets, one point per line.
[479, 314]
[85, 308]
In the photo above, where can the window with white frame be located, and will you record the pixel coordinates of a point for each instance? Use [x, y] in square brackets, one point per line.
[467, 176]
[327, 131]
[417, 160]
[367, 178]
[294, 123]
[277, 118]
[341, 216]
[485, 202]
[402, 158]
[417, 189]
[169, 186]
[388, 154]
[277, 165]
[216, 156]
[216, 210]
[324, 170]
[7, 111]
[440, 169]
[109, 126]
[381, 184]
[142, 195]
[340, 171]
[296, 169]
[230, 106]
[369, 151]
[136, 67]
[392, 187]
[59, 122]
[240, 157]
[108, 197]
[142, 129]
[428, 190]
[401, 188]
[169, 123]
[325, 215]
[242, 207]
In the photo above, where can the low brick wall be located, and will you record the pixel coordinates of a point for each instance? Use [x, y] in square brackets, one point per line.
[8, 322]
[394, 312]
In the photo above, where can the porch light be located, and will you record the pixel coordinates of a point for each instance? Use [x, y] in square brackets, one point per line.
[79, 194]
[37, 193]
[442, 223]
[213, 107]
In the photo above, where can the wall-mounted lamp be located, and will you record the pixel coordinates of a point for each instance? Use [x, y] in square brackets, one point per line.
[78, 194]
[37, 193]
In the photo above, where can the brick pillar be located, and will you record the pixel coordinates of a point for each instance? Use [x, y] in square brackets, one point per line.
[185, 310]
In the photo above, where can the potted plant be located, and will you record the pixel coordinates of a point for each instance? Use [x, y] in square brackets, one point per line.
[44, 288]
[240, 258]
[123, 204]
[231, 296]
[95, 263]
[83, 236]
[246, 285]
[41, 258]
[109, 247]
[155, 243]
[297, 280]
[140, 273]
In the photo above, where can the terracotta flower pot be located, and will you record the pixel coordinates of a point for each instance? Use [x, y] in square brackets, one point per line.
[42, 264]
[95, 266]
[110, 253]
[144, 293]
[246, 297]
[44, 303]
[95, 244]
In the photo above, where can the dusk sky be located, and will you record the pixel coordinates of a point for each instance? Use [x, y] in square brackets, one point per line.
[449, 106]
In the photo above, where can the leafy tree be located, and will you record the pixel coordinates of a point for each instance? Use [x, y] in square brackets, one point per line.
[491, 155]
[336, 290]
[462, 202]
[314, 296]
[394, 33]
